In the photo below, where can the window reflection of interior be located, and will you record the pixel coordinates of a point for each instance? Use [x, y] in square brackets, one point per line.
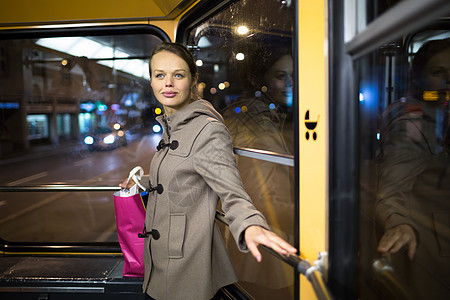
[54, 92]
[106, 55]
[227, 49]
[404, 164]
[422, 37]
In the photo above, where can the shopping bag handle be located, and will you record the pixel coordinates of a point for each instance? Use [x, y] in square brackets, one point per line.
[136, 176]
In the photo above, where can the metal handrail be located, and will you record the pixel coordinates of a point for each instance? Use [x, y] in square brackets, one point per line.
[282, 159]
[59, 187]
[311, 272]
[385, 274]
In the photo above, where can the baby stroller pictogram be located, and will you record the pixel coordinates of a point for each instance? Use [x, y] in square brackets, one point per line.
[310, 126]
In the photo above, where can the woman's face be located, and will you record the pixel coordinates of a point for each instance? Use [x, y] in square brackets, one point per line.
[279, 80]
[437, 72]
[171, 81]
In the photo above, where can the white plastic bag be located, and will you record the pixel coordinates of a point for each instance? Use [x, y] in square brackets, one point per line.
[137, 179]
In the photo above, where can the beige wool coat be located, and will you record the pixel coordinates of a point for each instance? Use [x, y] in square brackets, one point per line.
[414, 189]
[185, 256]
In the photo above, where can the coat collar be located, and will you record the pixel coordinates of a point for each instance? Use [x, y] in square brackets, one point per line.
[181, 118]
[182, 128]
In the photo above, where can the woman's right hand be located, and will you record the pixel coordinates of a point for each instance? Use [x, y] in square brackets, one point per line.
[130, 184]
[395, 238]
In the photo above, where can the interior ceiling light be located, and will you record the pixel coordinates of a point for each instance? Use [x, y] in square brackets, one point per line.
[81, 46]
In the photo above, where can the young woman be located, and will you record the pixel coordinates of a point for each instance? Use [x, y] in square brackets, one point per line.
[185, 256]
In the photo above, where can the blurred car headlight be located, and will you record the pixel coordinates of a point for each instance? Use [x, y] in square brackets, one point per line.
[156, 128]
[109, 139]
[89, 140]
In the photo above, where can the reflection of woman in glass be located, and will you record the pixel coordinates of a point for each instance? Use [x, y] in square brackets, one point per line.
[278, 77]
[261, 119]
[414, 184]
[266, 104]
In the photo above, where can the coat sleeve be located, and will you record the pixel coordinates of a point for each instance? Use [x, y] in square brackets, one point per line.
[403, 159]
[214, 161]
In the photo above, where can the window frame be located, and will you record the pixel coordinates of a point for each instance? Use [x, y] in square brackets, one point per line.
[201, 13]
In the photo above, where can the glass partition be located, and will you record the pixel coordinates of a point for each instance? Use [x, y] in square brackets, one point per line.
[405, 167]
[75, 108]
[244, 56]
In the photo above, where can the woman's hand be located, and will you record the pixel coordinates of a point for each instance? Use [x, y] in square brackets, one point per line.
[395, 238]
[130, 184]
[256, 235]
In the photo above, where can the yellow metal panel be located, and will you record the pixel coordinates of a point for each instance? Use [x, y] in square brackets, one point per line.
[167, 5]
[170, 26]
[31, 11]
[52, 13]
[306, 290]
[313, 133]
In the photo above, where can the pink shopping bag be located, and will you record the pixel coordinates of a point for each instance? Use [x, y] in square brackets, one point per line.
[130, 218]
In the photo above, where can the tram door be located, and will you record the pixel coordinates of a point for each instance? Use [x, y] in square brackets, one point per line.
[245, 60]
[400, 110]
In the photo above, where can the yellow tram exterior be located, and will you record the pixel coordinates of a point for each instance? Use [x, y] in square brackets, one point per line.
[312, 56]
[27, 14]
[351, 64]
[312, 64]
